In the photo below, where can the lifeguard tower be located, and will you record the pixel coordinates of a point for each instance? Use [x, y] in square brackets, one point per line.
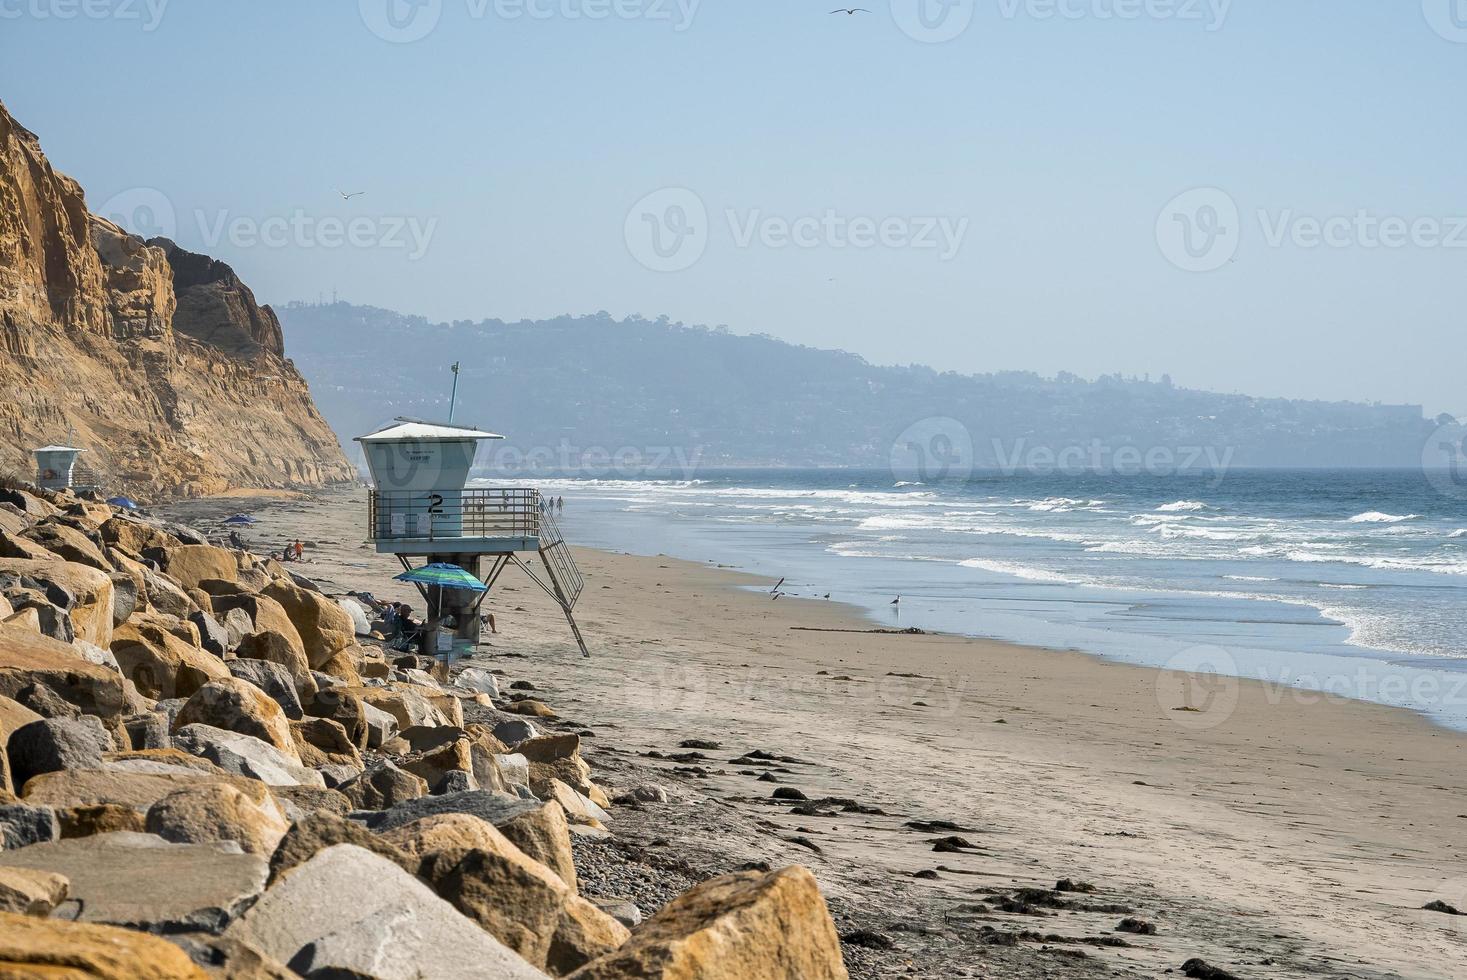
[419, 507]
[56, 469]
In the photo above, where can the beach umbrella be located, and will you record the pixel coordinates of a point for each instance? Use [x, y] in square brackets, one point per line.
[444, 576]
[126, 503]
[240, 520]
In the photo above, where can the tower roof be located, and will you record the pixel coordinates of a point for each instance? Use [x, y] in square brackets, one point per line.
[416, 430]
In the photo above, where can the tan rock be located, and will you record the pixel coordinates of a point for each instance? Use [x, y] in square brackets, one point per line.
[583, 934]
[471, 864]
[98, 818]
[28, 658]
[531, 707]
[345, 664]
[347, 709]
[404, 702]
[24, 891]
[201, 599]
[49, 949]
[544, 834]
[278, 648]
[68, 543]
[139, 790]
[20, 546]
[319, 831]
[160, 664]
[383, 785]
[238, 706]
[578, 809]
[191, 564]
[556, 757]
[217, 812]
[149, 760]
[324, 742]
[134, 536]
[155, 621]
[266, 614]
[746, 926]
[324, 627]
[435, 764]
[28, 619]
[92, 589]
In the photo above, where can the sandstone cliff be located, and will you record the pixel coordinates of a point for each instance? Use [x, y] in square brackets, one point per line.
[158, 360]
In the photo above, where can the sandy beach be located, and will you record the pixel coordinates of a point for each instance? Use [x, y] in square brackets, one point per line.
[1268, 833]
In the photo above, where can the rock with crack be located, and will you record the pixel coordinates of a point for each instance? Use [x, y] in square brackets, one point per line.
[349, 912]
[238, 706]
[144, 882]
[245, 755]
[323, 626]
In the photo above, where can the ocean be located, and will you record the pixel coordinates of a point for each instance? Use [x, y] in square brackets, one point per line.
[1352, 583]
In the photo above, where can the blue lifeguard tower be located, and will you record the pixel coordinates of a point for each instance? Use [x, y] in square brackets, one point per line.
[57, 469]
[420, 507]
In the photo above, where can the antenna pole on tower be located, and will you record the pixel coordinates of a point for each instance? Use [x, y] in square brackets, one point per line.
[453, 398]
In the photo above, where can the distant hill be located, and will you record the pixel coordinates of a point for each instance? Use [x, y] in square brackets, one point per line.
[570, 384]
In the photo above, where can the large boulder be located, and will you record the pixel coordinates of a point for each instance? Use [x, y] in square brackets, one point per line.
[28, 660]
[324, 627]
[496, 808]
[406, 703]
[746, 926]
[237, 706]
[471, 864]
[57, 743]
[23, 546]
[210, 812]
[245, 755]
[143, 882]
[133, 536]
[383, 785]
[349, 912]
[311, 835]
[159, 662]
[138, 789]
[265, 614]
[554, 757]
[47, 948]
[323, 742]
[284, 651]
[275, 681]
[213, 638]
[68, 543]
[348, 710]
[191, 564]
[89, 589]
[543, 833]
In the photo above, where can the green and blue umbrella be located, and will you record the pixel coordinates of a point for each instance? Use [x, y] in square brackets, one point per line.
[444, 576]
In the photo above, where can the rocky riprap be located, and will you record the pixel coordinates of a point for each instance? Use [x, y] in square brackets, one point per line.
[209, 771]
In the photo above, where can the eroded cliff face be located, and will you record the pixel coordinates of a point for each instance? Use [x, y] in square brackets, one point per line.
[157, 360]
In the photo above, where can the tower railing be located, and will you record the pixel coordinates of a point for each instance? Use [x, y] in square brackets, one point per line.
[425, 515]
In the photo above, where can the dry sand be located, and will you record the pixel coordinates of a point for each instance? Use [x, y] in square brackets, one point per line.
[1286, 836]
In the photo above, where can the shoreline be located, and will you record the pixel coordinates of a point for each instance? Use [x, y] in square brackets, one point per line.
[1273, 839]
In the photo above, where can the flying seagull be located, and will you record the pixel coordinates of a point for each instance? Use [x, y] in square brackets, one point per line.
[347, 197]
[850, 11]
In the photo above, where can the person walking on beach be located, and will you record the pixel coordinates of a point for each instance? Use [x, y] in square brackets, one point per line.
[299, 550]
[560, 504]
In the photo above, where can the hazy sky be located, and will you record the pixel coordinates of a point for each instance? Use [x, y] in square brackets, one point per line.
[974, 185]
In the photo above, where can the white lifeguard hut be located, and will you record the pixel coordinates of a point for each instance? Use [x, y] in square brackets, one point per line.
[56, 467]
[420, 507]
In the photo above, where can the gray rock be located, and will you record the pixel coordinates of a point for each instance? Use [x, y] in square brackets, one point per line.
[512, 731]
[237, 625]
[323, 681]
[646, 793]
[349, 912]
[53, 744]
[336, 774]
[143, 882]
[496, 808]
[623, 910]
[245, 755]
[169, 708]
[360, 622]
[212, 635]
[514, 767]
[25, 826]
[455, 781]
[149, 731]
[55, 621]
[381, 726]
[274, 680]
[479, 679]
[46, 702]
[94, 654]
[420, 677]
[124, 597]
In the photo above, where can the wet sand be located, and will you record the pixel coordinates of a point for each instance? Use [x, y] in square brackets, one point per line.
[1269, 833]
